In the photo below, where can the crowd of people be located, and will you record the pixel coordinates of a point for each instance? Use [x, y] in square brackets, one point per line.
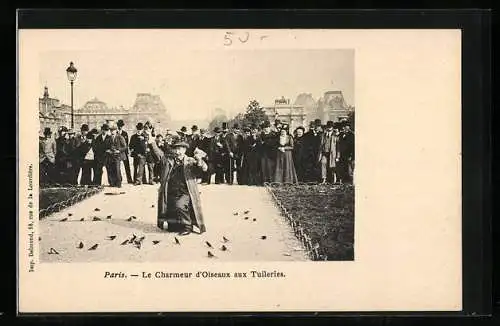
[251, 155]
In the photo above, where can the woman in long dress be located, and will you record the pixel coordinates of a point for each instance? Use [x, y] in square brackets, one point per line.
[267, 152]
[299, 153]
[285, 168]
[251, 160]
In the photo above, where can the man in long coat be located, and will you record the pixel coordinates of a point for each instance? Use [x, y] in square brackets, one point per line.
[329, 153]
[179, 205]
[346, 153]
[115, 151]
[126, 161]
[99, 148]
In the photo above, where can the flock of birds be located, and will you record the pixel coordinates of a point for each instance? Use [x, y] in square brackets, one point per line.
[137, 242]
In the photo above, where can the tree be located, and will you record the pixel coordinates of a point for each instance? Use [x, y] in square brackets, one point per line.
[254, 114]
[350, 116]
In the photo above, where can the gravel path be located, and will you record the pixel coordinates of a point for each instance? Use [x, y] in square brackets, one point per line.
[219, 203]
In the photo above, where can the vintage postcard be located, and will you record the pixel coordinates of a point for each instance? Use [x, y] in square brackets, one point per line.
[239, 170]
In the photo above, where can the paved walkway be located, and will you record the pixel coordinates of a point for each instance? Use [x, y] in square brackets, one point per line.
[219, 203]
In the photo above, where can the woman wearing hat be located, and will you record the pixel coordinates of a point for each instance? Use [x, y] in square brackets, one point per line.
[300, 153]
[285, 169]
[179, 206]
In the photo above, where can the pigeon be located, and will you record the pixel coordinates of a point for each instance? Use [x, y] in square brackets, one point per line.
[70, 214]
[254, 219]
[152, 206]
[53, 251]
[246, 217]
[96, 209]
[111, 237]
[155, 242]
[177, 241]
[263, 237]
[223, 248]
[129, 219]
[246, 212]
[39, 238]
[208, 244]
[133, 217]
[122, 192]
[141, 238]
[82, 219]
[235, 213]
[80, 246]
[108, 217]
[132, 239]
[137, 244]
[225, 239]
[63, 220]
[210, 255]
[95, 218]
[94, 247]
[124, 242]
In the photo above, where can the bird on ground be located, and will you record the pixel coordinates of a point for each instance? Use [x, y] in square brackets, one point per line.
[254, 219]
[95, 218]
[209, 245]
[133, 217]
[225, 239]
[210, 255]
[94, 247]
[223, 248]
[138, 244]
[235, 213]
[177, 241]
[111, 237]
[155, 242]
[96, 209]
[70, 214]
[80, 246]
[63, 220]
[124, 242]
[133, 238]
[263, 237]
[108, 217]
[53, 251]
[39, 238]
[246, 212]
[246, 217]
[82, 219]
[152, 206]
[142, 238]
[129, 219]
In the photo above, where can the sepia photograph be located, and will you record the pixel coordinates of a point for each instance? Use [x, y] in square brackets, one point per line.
[195, 155]
[239, 169]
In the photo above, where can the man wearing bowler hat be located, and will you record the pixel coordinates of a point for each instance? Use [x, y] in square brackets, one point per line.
[217, 150]
[126, 161]
[138, 146]
[99, 148]
[312, 143]
[47, 154]
[179, 206]
[115, 153]
[329, 155]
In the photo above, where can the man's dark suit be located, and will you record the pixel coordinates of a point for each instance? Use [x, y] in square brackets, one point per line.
[99, 147]
[346, 152]
[115, 153]
[204, 143]
[82, 146]
[126, 161]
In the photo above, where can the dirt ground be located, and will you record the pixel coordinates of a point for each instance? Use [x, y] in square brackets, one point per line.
[219, 203]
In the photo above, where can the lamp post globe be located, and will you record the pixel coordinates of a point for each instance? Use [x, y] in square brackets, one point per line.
[71, 72]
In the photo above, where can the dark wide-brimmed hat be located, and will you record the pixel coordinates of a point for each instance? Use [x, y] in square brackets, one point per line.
[120, 123]
[317, 122]
[139, 126]
[85, 127]
[105, 127]
[246, 129]
[47, 131]
[94, 131]
[183, 129]
[300, 127]
[180, 143]
[194, 128]
[329, 124]
[216, 129]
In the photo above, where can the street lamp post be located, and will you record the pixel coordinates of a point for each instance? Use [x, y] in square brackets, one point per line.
[71, 72]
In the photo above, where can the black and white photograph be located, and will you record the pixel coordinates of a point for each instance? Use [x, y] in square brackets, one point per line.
[197, 154]
[230, 170]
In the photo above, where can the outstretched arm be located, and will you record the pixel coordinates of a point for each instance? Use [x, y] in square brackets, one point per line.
[157, 152]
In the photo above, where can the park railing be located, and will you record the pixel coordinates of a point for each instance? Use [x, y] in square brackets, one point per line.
[313, 249]
[81, 193]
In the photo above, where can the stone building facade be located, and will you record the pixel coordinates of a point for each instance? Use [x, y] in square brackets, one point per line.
[52, 113]
[283, 110]
[332, 106]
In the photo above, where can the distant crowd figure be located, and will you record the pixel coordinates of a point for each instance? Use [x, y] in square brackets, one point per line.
[252, 155]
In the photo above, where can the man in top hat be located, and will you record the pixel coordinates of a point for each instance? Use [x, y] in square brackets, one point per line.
[204, 143]
[192, 140]
[182, 133]
[346, 153]
[115, 153]
[267, 147]
[236, 143]
[64, 148]
[312, 144]
[47, 154]
[138, 146]
[329, 155]
[99, 147]
[81, 148]
[126, 161]
[228, 154]
[218, 149]
[179, 205]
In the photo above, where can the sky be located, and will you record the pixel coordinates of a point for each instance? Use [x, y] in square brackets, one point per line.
[192, 83]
